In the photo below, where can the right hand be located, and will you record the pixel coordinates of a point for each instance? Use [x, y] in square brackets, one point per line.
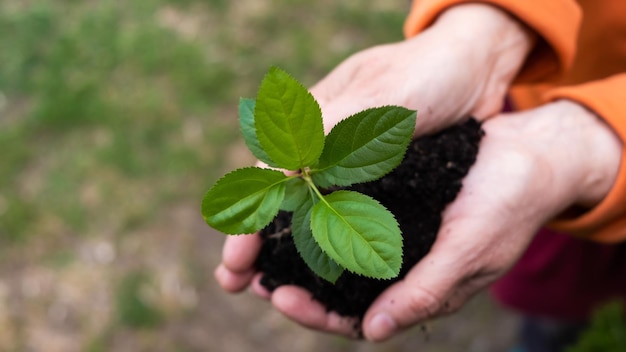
[531, 166]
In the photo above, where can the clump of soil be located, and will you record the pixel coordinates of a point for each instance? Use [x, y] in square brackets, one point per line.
[416, 192]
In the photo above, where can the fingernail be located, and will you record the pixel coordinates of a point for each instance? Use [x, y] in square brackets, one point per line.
[381, 327]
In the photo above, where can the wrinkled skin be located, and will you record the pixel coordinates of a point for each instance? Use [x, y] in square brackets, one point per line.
[531, 166]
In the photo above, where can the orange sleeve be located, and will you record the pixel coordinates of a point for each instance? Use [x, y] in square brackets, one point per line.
[606, 222]
[555, 21]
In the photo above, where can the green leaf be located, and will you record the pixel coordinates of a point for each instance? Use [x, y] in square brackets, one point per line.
[245, 200]
[365, 146]
[318, 261]
[288, 121]
[246, 123]
[358, 233]
[296, 193]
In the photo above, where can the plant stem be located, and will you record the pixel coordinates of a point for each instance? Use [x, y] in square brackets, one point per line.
[307, 178]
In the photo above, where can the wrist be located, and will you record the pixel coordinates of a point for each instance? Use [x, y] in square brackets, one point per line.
[601, 154]
[582, 152]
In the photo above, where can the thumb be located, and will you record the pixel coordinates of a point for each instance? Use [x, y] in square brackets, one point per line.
[454, 270]
[421, 295]
[466, 257]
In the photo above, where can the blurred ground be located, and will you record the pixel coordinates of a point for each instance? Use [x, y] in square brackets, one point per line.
[81, 306]
[115, 117]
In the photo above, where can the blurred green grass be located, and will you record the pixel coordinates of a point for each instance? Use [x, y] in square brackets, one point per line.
[110, 98]
[113, 113]
[606, 330]
[105, 94]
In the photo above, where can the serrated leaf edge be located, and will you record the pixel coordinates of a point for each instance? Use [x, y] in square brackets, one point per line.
[222, 179]
[347, 268]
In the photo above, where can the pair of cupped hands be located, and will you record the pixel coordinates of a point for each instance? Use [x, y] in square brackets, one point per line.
[532, 165]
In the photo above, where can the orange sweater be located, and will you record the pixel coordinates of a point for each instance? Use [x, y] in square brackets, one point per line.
[581, 56]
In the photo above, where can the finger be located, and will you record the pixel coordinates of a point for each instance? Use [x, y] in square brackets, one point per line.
[258, 288]
[237, 270]
[240, 252]
[421, 295]
[432, 287]
[298, 305]
[233, 281]
[460, 263]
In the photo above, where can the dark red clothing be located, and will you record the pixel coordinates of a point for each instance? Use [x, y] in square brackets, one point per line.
[564, 277]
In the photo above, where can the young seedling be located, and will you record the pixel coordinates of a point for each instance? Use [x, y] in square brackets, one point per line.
[333, 232]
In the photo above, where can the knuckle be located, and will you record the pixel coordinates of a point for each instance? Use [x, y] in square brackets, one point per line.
[423, 304]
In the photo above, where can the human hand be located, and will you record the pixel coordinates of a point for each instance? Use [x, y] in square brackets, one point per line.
[442, 72]
[530, 167]
[461, 66]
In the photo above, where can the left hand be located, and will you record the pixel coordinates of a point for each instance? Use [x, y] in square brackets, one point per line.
[461, 66]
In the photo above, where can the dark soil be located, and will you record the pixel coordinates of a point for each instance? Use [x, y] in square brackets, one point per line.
[416, 192]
